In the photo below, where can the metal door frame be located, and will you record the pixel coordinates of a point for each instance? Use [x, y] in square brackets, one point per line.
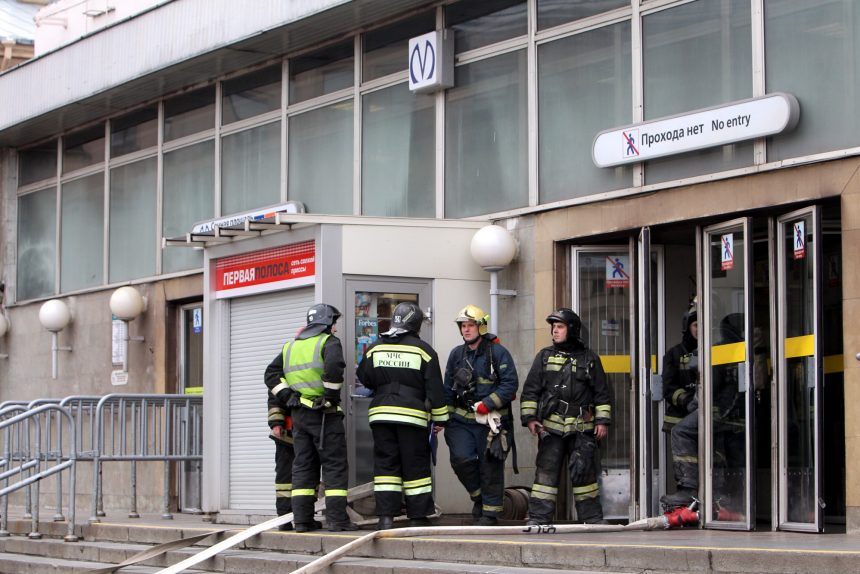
[706, 397]
[814, 213]
[183, 495]
[422, 287]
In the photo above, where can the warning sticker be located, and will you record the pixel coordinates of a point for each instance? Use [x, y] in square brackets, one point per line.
[728, 252]
[617, 271]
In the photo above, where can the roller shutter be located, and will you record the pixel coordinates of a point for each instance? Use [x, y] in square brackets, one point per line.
[259, 326]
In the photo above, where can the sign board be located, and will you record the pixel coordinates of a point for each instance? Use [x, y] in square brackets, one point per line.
[431, 61]
[709, 127]
[210, 225]
[197, 320]
[799, 239]
[118, 378]
[266, 270]
[119, 329]
[617, 271]
[727, 250]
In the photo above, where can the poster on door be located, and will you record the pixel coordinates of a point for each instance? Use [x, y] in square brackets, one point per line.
[799, 239]
[727, 249]
[617, 271]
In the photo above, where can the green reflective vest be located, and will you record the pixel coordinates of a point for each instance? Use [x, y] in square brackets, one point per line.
[304, 366]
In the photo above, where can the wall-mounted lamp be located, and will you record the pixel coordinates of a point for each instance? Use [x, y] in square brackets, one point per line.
[4, 328]
[127, 304]
[54, 315]
[493, 248]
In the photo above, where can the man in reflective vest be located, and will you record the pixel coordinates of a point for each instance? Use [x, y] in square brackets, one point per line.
[312, 367]
[565, 402]
[480, 382]
[403, 372]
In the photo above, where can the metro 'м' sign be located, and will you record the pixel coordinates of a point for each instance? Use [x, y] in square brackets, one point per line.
[431, 61]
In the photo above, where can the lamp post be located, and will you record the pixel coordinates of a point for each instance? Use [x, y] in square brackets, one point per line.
[127, 304]
[54, 315]
[493, 248]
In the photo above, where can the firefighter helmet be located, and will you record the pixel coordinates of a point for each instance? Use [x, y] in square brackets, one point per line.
[690, 317]
[476, 314]
[407, 318]
[320, 318]
[569, 318]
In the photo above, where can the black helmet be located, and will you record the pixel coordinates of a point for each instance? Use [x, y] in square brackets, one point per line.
[320, 318]
[732, 328]
[569, 318]
[690, 317]
[407, 318]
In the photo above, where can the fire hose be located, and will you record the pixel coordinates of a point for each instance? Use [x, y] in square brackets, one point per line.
[676, 518]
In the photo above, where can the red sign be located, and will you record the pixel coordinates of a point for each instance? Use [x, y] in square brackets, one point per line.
[266, 270]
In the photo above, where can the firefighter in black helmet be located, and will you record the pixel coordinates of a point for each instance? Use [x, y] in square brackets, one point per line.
[403, 372]
[565, 402]
[311, 368]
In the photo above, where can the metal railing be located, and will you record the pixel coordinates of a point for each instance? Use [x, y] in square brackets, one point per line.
[34, 450]
[140, 428]
[43, 438]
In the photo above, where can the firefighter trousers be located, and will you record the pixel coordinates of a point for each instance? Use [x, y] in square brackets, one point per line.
[284, 455]
[685, 451]
[481, 475]
[401, 467]
[552, 449]
[319, 441]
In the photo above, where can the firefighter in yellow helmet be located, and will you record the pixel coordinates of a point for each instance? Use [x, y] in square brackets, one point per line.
[480, 383]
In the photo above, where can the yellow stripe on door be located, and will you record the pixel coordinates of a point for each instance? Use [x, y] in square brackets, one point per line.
[615, 364]
[728, 354]
[803, 346]
[833, 364]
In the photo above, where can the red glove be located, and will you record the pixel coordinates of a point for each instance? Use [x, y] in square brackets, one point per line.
[482, 409]
[289, 423]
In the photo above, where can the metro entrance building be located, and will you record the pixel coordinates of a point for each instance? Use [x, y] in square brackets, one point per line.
[290, 134]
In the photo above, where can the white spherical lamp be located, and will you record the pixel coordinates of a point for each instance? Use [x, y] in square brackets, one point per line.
[127, 303]
[4, 325]
[54, 315]
[493, 247]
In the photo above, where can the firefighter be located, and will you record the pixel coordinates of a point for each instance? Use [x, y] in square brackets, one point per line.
[403, 373]
[312, 365]
[565, 402]
[480, 383]
[281, 432]
[680, 384]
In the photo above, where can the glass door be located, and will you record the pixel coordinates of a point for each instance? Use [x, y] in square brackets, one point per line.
[800, 370]
[370, 304]
[190, 382]
[727, 401]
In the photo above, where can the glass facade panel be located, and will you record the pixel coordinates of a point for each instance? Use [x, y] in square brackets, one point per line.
[82, 233]
[584, 87]
[695, 56]
[189, 113]
[555, 12]
[385, 49]
[37, 163]
[478, 23]
[134, 132]
[188, 196]
[37, 226]
[251, 95]
[323, 72]
[251, 169]
[486, 163]
[811, 51]
[132, 220]
[320, 160]
[84, 148]
[398, 163]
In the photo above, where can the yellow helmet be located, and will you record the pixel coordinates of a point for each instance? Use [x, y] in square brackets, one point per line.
[476, 314]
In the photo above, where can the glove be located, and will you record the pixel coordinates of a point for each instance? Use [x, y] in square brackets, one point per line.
[580, 462]
[481, 408]
[498, 445]
[320, 403]
[288, 423]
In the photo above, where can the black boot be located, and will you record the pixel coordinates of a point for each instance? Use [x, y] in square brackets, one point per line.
[683, 497]
[419, 522]
[307, 526]
[477, 511]
[385, 523]
[487, 521]
[342, 526]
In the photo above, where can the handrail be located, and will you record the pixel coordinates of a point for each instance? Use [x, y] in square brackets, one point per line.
[19, 427]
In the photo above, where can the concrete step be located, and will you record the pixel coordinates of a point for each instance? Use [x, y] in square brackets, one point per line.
[29, 564]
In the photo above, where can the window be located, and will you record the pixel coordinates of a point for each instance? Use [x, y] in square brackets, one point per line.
[811, 52]
[251, 168]
[479, 23]
[132, 220]
[320, 160]
[697, 55]
[84, 148]
[189, 113]
[37, 227]
[486, 168]
[134, 132]
[251, 95]
[555, 12]
[322, 72]
[82, 233]
[385, 49]
[584, 86]
[398, 162]
[187, 197]
[37, 163]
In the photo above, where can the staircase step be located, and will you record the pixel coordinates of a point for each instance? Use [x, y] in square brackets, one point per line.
[29, 564]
